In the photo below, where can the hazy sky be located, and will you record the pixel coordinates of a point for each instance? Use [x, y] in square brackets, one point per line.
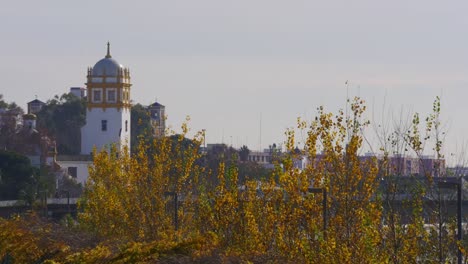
[226, 63]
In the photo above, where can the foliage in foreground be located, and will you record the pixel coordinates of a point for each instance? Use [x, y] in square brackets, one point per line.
[130, 215]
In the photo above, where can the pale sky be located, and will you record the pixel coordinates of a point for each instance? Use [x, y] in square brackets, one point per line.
[226, 63]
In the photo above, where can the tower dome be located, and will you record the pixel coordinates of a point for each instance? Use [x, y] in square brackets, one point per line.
[107, 66]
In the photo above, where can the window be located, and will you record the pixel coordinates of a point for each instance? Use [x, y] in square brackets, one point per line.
[111, 96]
[73, 171]
[103, 125]
[97, 96]
[35, 108]
[126, 125]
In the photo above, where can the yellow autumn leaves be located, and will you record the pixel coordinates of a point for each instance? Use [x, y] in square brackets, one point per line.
[127, 199]
[130, 204]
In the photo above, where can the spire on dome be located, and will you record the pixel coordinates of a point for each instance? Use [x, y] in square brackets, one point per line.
[108, 50]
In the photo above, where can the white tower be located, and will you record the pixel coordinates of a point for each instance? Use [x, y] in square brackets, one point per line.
[108, 106]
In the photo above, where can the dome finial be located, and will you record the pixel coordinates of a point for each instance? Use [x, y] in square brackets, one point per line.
[108, 50]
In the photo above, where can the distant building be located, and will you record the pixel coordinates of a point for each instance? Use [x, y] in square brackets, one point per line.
[158, 119]
[268, 156]
[431, 166]
[107, 114]
[76, 167]
[260, 157]
[35, 106]
[216, 147]
[300, 162]
[398, 165]
[108, 106]
[458, 171]
[403, 165]
[79, 92]
[264, 158]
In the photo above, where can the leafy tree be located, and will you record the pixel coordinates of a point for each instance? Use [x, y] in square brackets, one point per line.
[140, 127]
[62, 118]
[3, 104]
[8, 124]
[127, 196]
[244, 152]
[417, 226]
[17, 176]
[129, 202]
[251, 170]
[353, 216]
[10, 106]
[218, 154]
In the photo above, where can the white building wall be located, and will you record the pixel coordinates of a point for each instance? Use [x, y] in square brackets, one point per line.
[125, 134]
[82, 172]
[260, 157]
[92, 134]
[300, 162]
